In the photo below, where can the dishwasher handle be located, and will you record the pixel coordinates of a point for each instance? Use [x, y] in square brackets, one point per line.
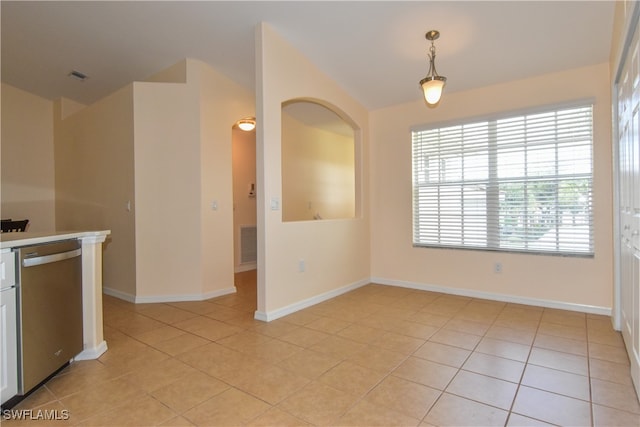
[47, 259]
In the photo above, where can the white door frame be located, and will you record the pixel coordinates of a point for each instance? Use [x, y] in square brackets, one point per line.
[629, 29]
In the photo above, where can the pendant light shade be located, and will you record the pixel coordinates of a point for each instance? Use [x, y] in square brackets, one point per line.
[432, 88]
[433, 84]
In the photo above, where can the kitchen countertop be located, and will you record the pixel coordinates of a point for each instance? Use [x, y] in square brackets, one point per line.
[17, 239]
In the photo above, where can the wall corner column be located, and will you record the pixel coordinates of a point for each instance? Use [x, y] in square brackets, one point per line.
[93, 336]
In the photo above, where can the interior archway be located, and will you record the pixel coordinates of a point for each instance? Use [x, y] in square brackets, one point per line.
[318, 162]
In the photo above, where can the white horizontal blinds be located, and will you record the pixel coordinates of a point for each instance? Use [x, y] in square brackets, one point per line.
[451, 174]
[520, 184]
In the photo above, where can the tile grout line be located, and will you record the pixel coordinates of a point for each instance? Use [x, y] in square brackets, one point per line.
[524, 369]
[471, 351]
[591, 413]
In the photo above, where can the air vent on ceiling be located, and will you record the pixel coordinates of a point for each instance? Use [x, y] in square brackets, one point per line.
[78, 75]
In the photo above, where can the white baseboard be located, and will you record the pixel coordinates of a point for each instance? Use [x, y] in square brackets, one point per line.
[246, 267]
[591, 309]
[118, 294]
[92, 353]
[292, 308]
[168, 298]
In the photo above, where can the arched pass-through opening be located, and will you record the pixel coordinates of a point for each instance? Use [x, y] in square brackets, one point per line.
[319, 162]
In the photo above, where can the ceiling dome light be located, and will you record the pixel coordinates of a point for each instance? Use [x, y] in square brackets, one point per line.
[247, 124]
[433, 84]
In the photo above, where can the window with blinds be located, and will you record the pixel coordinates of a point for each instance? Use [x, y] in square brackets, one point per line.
[521, 183]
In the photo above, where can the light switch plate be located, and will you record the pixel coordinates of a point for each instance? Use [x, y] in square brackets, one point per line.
[275, 204]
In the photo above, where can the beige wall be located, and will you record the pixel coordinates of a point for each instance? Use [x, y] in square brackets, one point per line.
[580, 281]
[183, 135]
[167, 181]
[318, 176]
[147, 162]
[222, 103]
[94, 167]
[28, 180]
[244, 174]
[335, 252]
[185, 247]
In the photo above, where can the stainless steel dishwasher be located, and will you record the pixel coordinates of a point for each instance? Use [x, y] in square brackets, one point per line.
[49, 310]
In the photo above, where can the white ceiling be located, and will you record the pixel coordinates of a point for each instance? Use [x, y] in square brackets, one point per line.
[375, 50]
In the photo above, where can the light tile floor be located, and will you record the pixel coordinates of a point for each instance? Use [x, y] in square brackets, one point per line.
[378, 355]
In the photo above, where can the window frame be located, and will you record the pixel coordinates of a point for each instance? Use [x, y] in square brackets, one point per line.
[496, 211]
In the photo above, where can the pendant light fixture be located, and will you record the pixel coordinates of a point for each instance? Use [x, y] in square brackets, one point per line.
[433, 84]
